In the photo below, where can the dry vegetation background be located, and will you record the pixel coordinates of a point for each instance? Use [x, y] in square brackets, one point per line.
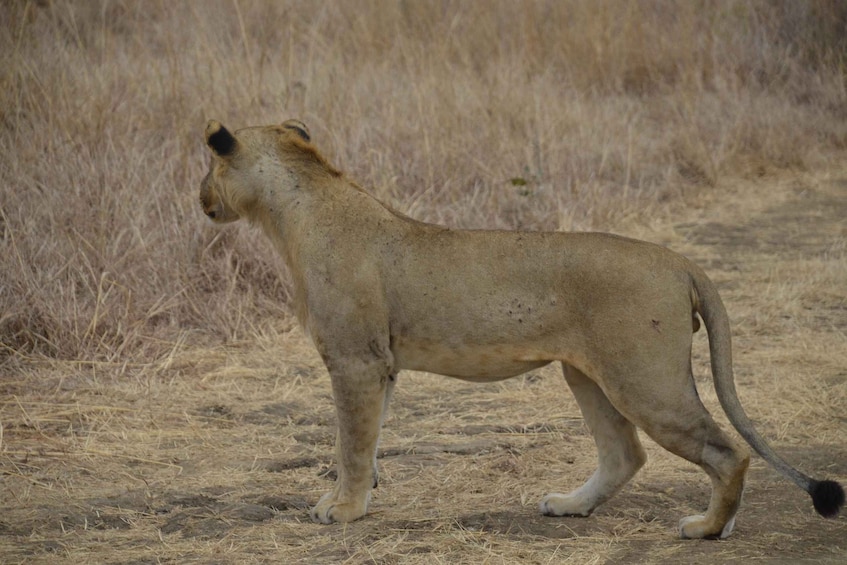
[158, 404]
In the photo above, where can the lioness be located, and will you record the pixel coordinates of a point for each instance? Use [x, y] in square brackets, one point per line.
[379, 292]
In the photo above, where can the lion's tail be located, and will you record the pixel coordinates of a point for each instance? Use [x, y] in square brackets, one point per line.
[827, 496]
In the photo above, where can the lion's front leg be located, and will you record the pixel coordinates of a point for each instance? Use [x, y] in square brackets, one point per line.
[359, 389]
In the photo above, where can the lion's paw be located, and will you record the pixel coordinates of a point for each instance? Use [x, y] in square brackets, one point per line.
[565, 505]
[696, 527]
[329, 509]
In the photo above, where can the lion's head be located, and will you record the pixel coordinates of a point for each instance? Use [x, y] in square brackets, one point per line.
[243, 162]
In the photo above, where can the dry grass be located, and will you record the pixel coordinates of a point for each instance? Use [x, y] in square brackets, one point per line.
[147, 357]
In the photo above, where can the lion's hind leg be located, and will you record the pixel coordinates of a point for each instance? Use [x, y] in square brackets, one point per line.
[676, 419]
[619, 451]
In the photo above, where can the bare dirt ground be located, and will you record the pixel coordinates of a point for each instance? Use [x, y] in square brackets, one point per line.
[214, 456]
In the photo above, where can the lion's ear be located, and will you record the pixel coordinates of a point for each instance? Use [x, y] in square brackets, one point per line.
[219, 139]
[298, 127]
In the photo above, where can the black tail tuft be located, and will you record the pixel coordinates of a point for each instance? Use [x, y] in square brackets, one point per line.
[828, 497]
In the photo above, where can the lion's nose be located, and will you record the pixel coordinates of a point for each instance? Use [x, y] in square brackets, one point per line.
[211, 214]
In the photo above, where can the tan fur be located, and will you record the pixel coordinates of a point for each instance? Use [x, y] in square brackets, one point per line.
[379, 292]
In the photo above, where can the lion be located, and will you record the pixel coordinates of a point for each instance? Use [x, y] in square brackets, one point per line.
[379, 292]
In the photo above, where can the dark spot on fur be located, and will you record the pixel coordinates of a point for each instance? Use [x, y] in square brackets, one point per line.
[656, 325]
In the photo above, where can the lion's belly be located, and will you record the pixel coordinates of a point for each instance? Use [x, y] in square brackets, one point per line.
[469, 362]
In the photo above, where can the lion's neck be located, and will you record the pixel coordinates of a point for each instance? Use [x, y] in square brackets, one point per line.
[312, 222]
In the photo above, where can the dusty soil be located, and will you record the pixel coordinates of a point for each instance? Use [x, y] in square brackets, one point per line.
[215, 455]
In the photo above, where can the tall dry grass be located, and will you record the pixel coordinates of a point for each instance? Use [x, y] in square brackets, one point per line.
[501, 114]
